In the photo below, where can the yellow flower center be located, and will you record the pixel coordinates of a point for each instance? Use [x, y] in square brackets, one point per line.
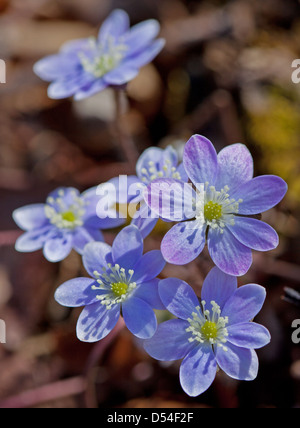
[69, 216]
[119, 288]
[212, 211]
[209, 330]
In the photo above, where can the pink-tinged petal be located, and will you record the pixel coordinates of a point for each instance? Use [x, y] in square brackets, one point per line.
[254, 234]
[200, 161]
[260, 194]
[218, 287]
[198, 370]
[235, 167]
[228, 253]
[184, 242]
[238, 363]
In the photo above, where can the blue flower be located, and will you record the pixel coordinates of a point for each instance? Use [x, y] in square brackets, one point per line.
[87, 66]
[123, 281]
[217, 332]
[218, 212]
[67, 220]
[154, 163]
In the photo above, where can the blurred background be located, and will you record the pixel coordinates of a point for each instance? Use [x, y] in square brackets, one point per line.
[225, 73]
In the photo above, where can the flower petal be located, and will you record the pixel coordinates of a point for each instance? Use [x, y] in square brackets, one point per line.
[33, 240]
[76, 292]
[148, 291]
[228, 253]
[115, 25]
[139, 318]
[260, 194]
[128, 247]
[149, 266]
[58, 247]
[83, 236]
[89, 89]
[56, 67]
[235, 167]
[184, 242]
[141, 35]
[254, 234]
[68, 86]
[150, 157]
[146, 55]
[170, 342]
[31, 217]
[218, 287]
[178, 297]
[198, 370]
[121, 75]
[244, 304]
[248, 335]
[200, 161]
[238, 363]
[96, 322]
[145, 220]
[96, 256]
[171, 199]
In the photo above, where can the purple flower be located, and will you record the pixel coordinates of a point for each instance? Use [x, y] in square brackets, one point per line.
[217, 332]
[67, 220]
[87, 66]
[154, 163]
[123, 279]
[225, 196]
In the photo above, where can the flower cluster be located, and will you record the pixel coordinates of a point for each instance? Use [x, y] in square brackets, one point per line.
[212, 197]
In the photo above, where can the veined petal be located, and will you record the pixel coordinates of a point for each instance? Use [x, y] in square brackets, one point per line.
[184, 242]
[170, 342]
[31, 217]
[178, 297]
[149, 266]
[96, 322]
[238, 363]
[198, 370]
[76, 292]
[244, 304]
[171, 199]
[248, 335]
[128, 247]
[139, 318]
[235, 167]
[254, 234]
[228, 253]
[96, 256]
[260, 194]
[200, 161]
[218, 287]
